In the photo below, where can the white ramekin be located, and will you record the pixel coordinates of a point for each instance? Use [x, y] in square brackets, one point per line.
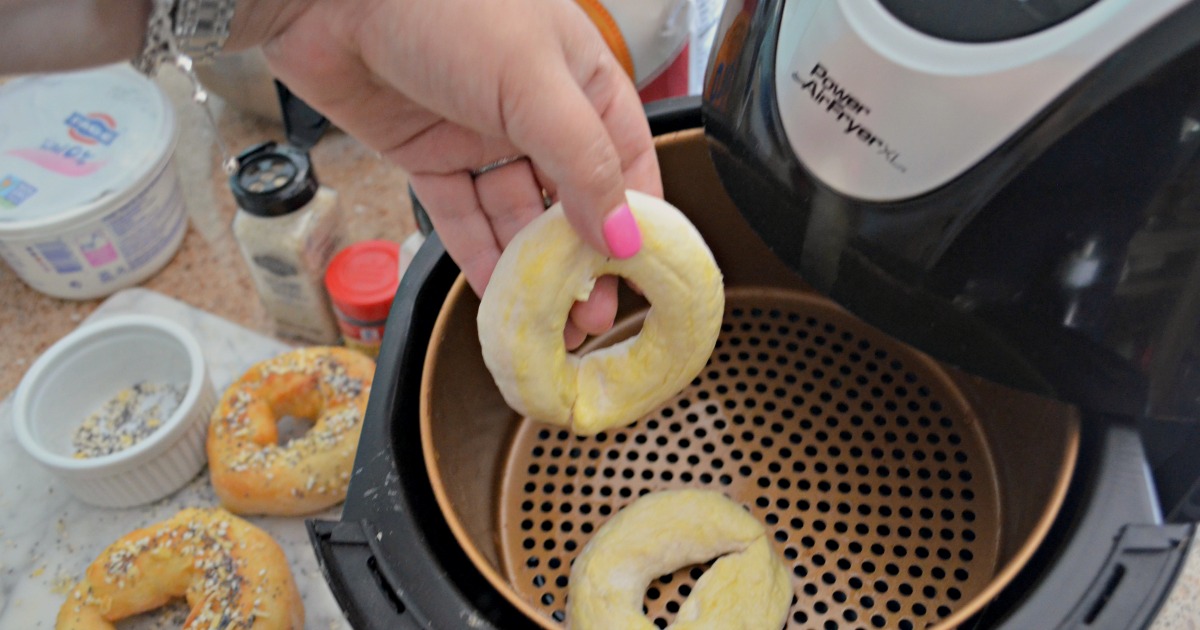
[77, 375]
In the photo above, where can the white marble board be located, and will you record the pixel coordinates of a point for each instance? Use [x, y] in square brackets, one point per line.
[47, 537]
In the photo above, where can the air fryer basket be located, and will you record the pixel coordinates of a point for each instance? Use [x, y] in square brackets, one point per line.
[900, 492]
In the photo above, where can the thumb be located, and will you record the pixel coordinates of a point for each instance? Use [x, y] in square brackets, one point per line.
[563, 132]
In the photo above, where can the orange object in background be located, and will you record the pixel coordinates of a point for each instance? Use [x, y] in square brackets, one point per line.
[650, 40]
[362, 280]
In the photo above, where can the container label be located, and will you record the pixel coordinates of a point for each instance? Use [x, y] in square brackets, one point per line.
[141, 228]
[58, 256]
[14, 191]
[96, 127]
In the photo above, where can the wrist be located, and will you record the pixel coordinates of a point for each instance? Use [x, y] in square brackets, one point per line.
[257, 21]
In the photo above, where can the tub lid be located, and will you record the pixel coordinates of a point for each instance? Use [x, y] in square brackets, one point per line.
[71, 142]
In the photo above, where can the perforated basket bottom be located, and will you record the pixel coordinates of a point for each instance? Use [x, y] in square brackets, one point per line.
[858, 455]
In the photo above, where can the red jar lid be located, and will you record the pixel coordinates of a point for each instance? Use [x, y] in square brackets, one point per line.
[362, 279]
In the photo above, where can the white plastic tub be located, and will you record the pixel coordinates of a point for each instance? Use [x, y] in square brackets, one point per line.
[89, 195]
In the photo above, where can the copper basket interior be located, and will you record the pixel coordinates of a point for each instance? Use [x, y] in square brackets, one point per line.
[900, 492]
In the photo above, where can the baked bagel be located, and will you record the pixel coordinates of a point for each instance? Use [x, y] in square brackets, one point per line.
[548, 267]
[232, 574]
[748, 588]
[251, 473]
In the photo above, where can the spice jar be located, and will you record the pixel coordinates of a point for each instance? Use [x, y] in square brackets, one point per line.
[362, 281]
[287, 228]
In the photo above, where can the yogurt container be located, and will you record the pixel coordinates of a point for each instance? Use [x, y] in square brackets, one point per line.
[89, 194]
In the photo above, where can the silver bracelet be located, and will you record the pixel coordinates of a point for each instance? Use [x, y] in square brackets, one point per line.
[180, 31]
[202, 26]
[196, 29]
[159, 45]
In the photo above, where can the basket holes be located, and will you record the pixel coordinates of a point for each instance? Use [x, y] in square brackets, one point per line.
[878, 621]
[547, 599]
[893, 605]
[961, 574]
[919, 609]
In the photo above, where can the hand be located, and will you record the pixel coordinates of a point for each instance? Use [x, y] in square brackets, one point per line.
[441, 87]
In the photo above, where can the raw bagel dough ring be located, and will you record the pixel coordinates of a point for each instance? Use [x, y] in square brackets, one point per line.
[223, 566]
[251, 473]
[748, 588]
[547, 268]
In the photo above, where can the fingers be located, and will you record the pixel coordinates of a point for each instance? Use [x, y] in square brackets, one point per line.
[595, 315]
[461, 223]
[549, 118]
[510, 197]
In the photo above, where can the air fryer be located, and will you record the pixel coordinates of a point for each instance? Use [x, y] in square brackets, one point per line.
[961, 399]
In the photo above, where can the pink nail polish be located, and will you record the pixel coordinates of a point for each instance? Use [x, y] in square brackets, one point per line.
[621, 232]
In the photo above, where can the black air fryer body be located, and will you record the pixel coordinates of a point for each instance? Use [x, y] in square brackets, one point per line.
[1056, 255]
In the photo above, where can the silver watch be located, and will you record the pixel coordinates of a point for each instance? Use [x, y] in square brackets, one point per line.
[202, 26]
[195, 29]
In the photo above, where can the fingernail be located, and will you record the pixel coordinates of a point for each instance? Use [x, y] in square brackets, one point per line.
[621, 232]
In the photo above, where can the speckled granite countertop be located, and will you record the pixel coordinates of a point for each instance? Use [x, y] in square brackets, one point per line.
[208, 272]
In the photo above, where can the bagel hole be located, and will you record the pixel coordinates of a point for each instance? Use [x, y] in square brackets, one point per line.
[631, 311]
[292, 428]
[173, 614]
[666, 593]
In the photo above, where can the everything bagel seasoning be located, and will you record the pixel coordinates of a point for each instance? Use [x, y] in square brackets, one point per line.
[129, 417]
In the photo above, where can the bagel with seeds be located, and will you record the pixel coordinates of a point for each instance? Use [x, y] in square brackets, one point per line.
[233, 575]
[747, 588]
[547, 267]
[251, 472]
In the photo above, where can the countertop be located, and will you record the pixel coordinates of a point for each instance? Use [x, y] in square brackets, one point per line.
[209, 272]
[48, 537]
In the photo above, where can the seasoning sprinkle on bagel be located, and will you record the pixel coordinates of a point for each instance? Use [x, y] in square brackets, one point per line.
[232, 574]
[251, 472]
